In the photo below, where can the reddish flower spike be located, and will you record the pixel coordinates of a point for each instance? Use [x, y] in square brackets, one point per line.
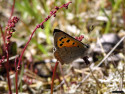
[80, 38]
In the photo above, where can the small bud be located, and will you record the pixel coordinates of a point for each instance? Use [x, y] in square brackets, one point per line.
[7, 43]
[46, 19]
[54, 12]
[6, 28]
[11, 33]
[79, 38]
[54, 15]
[9, 36]
[42, 26]
[18, 67]
[51, 12]
[38, 26]
[12, 25]
[8, 32]
[56, 8]
[15, 19]
[66, 6]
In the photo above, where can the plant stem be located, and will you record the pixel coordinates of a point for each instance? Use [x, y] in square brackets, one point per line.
[7, 69]
[16, 77]
[12, 10]
[53, 77]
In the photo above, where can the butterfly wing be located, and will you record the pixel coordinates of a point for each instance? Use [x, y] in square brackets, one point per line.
[67, 48]
[62, 39]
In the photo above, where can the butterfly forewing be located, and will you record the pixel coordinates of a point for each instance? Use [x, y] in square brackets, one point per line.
[61, 39]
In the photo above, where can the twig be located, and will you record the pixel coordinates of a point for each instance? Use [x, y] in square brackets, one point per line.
[102, 60]
[97, 82]
[11, 58]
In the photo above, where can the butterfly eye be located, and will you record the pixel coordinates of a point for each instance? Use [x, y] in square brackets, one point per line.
[54, 49]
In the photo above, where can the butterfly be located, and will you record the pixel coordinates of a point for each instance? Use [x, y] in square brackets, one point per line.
[67, 48]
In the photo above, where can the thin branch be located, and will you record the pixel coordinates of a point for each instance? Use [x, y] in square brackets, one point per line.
[53, 77]
[12, 10]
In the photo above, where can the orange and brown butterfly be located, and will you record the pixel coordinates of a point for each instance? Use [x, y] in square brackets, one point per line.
[67, 48]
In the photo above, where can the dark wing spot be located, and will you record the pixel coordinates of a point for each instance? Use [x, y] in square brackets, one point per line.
[62, 41]
[73, 43]
[61, 44]
[68, 40]
[78, 46]
[61, 38]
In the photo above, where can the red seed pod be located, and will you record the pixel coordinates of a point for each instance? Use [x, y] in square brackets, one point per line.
[38, 26]
[54, 12]
[18, 67]
[15, 19]
[11, 33]
[46, 19]
[9, 36]
[51, 12]
[66, 7]
[42, 26]
[6, 28]
[54, 15]
[8, 43]
[56, 8]
[12, 25]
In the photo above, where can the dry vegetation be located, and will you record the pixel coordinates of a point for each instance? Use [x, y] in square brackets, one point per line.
[102, 22]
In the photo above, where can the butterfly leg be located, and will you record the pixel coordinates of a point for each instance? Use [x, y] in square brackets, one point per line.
[86, 60]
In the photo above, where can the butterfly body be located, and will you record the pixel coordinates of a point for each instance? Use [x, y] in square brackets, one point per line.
[67, 48]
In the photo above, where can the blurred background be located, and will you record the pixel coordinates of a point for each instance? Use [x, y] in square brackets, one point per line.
[102, 22]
